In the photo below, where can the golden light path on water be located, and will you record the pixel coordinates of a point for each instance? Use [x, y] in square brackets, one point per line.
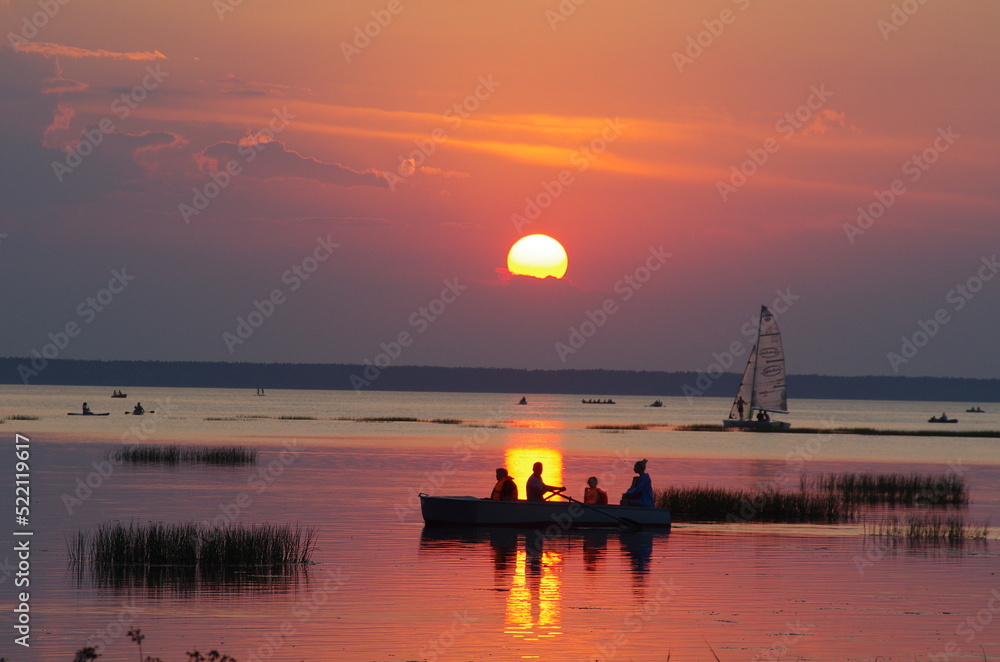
[520, 459]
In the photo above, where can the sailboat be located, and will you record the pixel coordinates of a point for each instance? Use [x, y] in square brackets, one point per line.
[763, 385]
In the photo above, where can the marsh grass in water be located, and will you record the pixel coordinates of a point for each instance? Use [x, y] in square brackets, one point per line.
[157, 553]
[630, 426]
[19, 417]
[217, 455]
[929, 528]
[719, 504]
[893, 489]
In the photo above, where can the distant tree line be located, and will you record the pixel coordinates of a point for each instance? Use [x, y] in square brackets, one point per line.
[594, 383]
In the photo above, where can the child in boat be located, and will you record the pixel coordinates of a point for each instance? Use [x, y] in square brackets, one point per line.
[593, 494]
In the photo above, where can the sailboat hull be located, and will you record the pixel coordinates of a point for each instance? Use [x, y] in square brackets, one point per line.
[755, 425]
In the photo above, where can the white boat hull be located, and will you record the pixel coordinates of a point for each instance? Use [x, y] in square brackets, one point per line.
[754, 425]
[473, 511]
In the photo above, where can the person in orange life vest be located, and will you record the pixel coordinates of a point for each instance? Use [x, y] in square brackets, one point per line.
[505, 489]
[593, 494]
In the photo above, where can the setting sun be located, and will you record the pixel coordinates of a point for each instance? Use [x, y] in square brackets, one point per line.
[537, 255]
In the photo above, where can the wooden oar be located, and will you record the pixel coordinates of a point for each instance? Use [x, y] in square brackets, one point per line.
[624, 522]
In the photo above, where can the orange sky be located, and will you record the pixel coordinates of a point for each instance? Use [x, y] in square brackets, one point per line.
[423, 148]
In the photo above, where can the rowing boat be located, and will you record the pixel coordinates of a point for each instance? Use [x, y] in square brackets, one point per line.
[473, 511]
[76, 413]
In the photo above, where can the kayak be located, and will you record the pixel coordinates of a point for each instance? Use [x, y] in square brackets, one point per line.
[76, 413]
[473, 511]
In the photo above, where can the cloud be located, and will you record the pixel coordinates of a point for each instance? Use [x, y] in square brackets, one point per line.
[270, 159]
[50, 49]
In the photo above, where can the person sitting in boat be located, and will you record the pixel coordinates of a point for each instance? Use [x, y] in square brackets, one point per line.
[763, 416]
[506, 488]
[523, 401]
[641, 492]
[535, 489]
[138, 410]
[593, 494]
[944, 416]
[86, 410]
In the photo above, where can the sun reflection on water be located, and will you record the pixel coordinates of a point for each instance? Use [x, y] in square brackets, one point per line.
[520, 459]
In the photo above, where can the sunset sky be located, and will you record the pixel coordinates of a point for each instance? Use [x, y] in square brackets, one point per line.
[342, 173]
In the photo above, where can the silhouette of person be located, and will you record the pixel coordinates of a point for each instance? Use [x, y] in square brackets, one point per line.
[536, 488]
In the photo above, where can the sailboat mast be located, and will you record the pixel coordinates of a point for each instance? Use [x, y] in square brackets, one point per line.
[756, 357]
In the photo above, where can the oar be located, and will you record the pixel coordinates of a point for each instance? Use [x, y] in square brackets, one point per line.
[624, 522]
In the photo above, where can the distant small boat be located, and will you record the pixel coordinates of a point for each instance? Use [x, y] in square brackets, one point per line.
[656, 403]
[609, 401]
[941, 419]
[975, 410]
[76, 413]
[119, 395]
[523, 401]
[763, 384]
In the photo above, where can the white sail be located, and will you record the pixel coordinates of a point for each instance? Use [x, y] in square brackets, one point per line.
[769, 392]
[746, 386]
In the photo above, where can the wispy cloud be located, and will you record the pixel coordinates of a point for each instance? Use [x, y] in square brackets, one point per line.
[47, 48]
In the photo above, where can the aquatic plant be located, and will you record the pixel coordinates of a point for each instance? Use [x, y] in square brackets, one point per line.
[296, 418]
[447, 421]
[929, 528]
[218, 455]
[384, 419]
[892, 488]
[630, 426]
[19, 417]
[153, 551]
[719, 504]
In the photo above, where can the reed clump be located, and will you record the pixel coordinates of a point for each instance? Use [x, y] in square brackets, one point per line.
[627, 426]
[116, 548]
[216, 455]
[447, 421]
[926, 528]
[895, 489]
[384, 419]
[296, 418]
[719, 504]
[19, 417]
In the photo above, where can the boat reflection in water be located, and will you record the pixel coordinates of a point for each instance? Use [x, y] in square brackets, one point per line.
[532, 567]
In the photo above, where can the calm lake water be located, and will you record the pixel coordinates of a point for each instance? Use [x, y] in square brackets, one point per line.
[386, 588]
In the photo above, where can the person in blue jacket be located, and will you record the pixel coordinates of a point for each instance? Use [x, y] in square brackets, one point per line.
[641, 492]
